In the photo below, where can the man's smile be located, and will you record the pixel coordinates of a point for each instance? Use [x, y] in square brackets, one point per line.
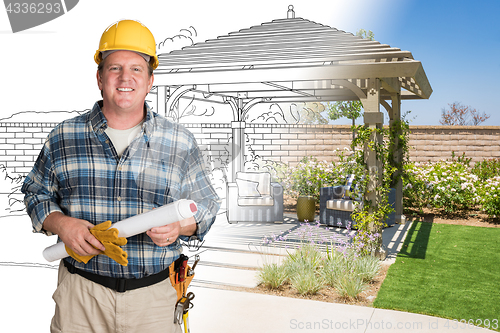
[124, 81]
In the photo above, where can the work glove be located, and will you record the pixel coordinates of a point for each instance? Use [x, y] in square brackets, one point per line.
[109, 238]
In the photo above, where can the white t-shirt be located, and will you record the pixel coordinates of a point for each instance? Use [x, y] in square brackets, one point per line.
[121, 139]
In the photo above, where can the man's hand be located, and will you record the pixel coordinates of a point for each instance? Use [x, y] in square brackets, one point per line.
[168, 234]
[109, 238]
[74, 233]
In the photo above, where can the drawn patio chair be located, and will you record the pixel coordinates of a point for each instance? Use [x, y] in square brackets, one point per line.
[253, 197]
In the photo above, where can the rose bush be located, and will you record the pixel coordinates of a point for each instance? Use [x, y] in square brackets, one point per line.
[453, 186]
[490, 197]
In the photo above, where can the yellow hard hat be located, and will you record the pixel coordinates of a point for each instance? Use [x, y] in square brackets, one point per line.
[128, 35]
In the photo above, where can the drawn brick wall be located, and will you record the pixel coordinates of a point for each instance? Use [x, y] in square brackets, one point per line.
[290, 143]
[20, 143]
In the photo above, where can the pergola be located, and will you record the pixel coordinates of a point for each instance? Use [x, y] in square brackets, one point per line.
[292, 60]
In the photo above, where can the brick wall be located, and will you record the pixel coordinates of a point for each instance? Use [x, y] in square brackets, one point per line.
[20, 143]
[290, 143]
[437, 142]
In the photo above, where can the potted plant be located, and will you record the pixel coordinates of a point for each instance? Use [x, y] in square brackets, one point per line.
[306, 208]
[305, 181]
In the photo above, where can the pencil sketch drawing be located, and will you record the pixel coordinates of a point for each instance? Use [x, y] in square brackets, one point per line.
[246, 96]
[255, 101]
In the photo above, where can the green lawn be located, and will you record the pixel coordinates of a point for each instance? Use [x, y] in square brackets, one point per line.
[449, 271]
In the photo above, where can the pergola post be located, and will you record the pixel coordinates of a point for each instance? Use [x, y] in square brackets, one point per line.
[393, 86]
[161, 100]
[374, 119]
[238, 141]
[238, 147]
[395, 115]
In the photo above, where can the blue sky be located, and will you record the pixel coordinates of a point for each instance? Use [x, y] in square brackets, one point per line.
[457, 42]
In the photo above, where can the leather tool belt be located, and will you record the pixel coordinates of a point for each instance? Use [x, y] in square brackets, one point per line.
[181, 275]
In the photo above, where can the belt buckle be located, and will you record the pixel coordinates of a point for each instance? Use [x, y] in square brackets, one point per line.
[121, 285]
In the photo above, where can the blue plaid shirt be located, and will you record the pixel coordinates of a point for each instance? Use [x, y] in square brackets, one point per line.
[79, 173]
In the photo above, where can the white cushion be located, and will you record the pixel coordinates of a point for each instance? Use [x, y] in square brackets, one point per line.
[344, 205]
[247, 188]
[262, 201]
[263, 178]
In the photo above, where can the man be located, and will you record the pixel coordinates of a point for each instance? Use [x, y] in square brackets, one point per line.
[116, 161]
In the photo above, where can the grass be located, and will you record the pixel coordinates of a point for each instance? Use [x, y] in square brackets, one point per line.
[306, 281]
[449, 271]
[350, 285]
[308, 270]
[272, 275]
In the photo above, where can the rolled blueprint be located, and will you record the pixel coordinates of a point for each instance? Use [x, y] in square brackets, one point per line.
[170, 213]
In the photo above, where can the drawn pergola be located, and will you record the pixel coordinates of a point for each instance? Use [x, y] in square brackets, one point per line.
[292, 60]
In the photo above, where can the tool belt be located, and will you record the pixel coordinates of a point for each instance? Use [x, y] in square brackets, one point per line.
[177, 271]
[119, 284]
[180, 275]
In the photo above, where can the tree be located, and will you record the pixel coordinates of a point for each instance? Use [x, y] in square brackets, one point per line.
[349, 109]
[310, 113]
[291, 113]
[366, 35]
[462, 115]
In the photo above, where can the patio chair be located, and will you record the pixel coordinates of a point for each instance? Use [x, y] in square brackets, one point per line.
[337, 203]
[254, 198]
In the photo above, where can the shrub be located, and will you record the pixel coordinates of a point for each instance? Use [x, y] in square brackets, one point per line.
[490, 197]
[272, 275]
[305, 258]
[308, 269]
[447, 185]
[417, 190]
[307, 282]
[487, 168]
[350, 273]
[309, 175]
[302, 268]
[10, 184]
[350, 285]
[454, 187]
[333, 268]
[367, 268]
